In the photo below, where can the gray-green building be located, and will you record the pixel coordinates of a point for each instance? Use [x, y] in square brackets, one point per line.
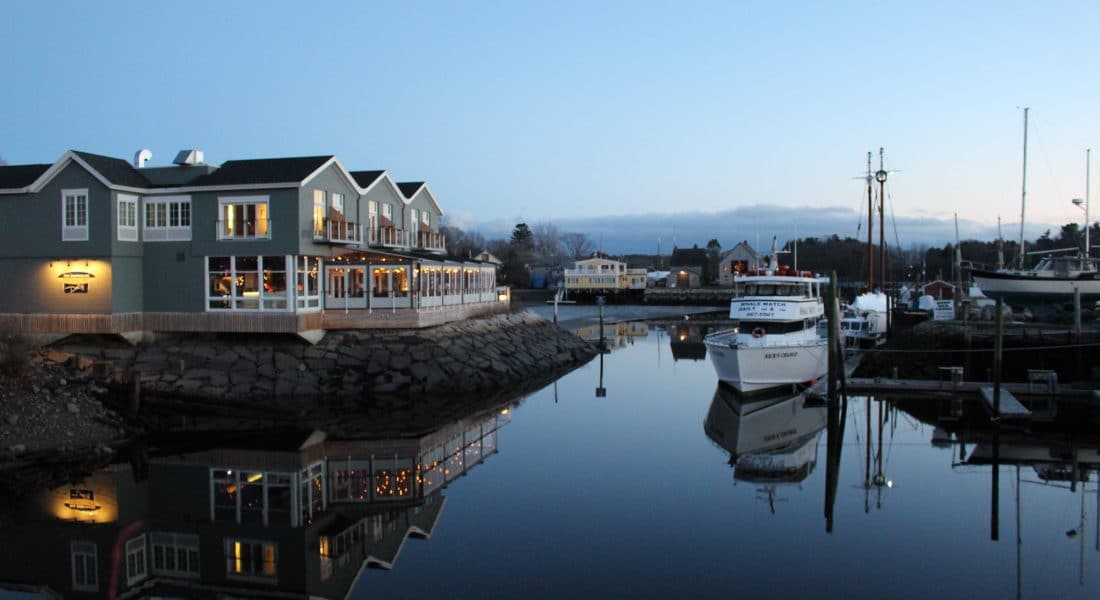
[95, 244]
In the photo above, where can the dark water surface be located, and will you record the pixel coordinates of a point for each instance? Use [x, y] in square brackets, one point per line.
[667, 485]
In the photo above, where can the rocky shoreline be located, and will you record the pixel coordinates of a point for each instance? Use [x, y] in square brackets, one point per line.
[475, 355]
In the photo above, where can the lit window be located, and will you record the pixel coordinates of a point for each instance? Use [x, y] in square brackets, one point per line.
[243, 218]
[318, 213]
[127, 218]
[74, 215]
[246, 558]
[247, 283]
[167, 219]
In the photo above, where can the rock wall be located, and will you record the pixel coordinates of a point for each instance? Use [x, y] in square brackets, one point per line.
[476, 355]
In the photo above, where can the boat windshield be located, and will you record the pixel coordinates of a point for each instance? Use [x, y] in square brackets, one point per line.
[777, 289]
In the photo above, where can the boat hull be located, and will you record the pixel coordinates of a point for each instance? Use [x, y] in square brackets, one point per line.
[1029, 290]
[751, 368]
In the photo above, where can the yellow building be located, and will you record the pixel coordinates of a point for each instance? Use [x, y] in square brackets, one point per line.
[603, 276]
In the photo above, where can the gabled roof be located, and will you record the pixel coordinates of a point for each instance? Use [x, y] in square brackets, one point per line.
[115, 170]
[263, 171]
[409, 188]
[366, 178]
[17, 176]
[688, 257]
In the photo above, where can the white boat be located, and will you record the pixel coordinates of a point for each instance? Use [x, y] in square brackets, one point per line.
[1056, 279]
[1053, 281]
[770, 440]
[777, 341]
[863, 322]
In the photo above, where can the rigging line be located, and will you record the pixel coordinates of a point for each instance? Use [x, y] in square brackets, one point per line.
[1054, 181]
[974, 350]
[894, 220]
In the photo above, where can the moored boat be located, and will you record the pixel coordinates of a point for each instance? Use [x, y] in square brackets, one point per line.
[777, 341]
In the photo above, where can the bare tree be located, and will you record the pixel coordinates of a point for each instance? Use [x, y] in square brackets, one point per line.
[546, 245]
[577, 245]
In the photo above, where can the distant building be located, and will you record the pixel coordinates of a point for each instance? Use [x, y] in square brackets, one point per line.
[603, 276]
[737, 262]
[687, 267]
[938, 289]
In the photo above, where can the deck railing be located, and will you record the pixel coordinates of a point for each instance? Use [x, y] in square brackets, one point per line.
[340, 232]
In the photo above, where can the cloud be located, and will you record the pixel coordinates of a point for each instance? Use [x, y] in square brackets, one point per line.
[758, 223]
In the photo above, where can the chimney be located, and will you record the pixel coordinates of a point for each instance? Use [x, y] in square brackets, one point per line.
[141, 157]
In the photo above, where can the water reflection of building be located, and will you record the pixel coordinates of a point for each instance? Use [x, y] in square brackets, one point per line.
[771, 440]
[291, 514]
[617, 335]
[686, 341]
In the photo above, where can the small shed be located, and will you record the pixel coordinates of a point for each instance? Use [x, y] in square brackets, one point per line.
[938, 289]
[687, 267]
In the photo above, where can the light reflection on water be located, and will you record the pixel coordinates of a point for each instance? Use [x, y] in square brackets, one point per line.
[668, 485]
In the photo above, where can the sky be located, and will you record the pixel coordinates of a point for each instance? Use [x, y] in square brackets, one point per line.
[626, 120]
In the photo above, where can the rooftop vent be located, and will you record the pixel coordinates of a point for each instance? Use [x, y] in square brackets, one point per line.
[188, 158]
[141, 157]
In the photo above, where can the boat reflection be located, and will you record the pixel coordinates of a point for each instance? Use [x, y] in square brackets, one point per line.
[290, 513]
[772, 440]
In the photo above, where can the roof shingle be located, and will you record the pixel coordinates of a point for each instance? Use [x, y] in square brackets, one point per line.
[17, 176]
[263, 170]
[115, 170]
[366, 178]
[410, 188]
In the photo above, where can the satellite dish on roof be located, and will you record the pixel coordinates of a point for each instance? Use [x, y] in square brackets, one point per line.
[142, 156]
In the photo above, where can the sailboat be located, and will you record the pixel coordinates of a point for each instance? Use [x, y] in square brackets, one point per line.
[1056, 279]
[863, 323]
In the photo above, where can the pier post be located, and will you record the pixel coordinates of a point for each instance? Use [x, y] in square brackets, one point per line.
[1077, 312]
[830, 307]
[998, 351]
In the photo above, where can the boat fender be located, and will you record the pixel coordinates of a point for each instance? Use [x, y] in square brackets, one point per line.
[758, 332]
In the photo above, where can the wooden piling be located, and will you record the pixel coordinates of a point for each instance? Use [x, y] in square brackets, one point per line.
[998, 353]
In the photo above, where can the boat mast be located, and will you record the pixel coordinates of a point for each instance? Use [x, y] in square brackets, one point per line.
[880, 176]
[870, 227]
[1023, 194]
[1088, 248]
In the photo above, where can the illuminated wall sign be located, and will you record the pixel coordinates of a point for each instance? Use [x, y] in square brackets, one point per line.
[76, 288]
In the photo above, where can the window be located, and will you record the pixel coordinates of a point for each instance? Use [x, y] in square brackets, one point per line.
[414, 216]
[168, 219]
[127, 218]
[337, 203]
[245, 558]
[135, 560]
[318, 213]
[175, 554]
[424, 218]
[251, 497]
[74, 215]
[85, 571]
[247, 283]
[387, 212]
[243, 218]
[312, 487]
[308, 285]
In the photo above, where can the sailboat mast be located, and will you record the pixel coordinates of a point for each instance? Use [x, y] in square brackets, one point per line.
[1023, 194]
[882, 217]
[870, 227]
[1088, 248]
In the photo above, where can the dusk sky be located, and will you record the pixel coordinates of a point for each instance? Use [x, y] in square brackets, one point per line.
[691, 116]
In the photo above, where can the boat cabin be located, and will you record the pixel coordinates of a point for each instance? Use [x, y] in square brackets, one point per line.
[794, 287]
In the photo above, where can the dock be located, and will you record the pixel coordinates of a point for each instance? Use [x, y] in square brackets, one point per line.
[1010, 407]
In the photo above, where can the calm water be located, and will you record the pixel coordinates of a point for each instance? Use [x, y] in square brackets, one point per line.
[663, 485]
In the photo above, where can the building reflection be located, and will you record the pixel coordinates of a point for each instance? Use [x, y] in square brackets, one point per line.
[686, 341]
[615, 335]
[772, 440]
[279, 513]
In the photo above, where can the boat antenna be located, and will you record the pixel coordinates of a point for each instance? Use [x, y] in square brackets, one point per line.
[1023, 193]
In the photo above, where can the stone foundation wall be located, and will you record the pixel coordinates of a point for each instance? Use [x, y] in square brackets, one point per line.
[475, 355]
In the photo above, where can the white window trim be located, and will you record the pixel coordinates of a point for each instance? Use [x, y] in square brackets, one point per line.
[167, 233]
[127, 233]
[80, 586]
[224, 200]
[291, 285]
[75, 233]
[179, 541]
[136, 546]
